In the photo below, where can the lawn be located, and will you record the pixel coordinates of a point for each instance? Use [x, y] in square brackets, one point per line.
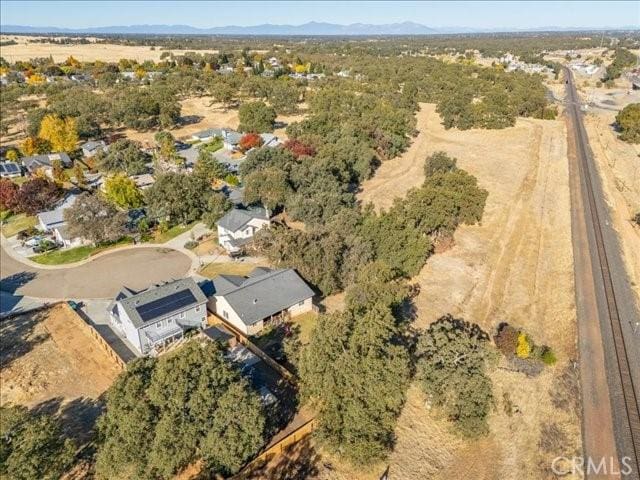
[60, 257]
[213, 146]
[15, 224]
[227, 268]
[163, 237]
[307, 322]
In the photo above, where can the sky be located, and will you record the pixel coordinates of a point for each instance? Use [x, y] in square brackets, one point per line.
[79, 14]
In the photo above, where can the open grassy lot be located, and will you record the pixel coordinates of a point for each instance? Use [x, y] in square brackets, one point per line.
[228, 268]
[60, 257]
[15, 224]
[162, 237]
[307, 322]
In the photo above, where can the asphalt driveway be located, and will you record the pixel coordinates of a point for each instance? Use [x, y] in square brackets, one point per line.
[100, 278]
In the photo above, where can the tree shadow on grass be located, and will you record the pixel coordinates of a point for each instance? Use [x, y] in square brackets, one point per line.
[18, 337]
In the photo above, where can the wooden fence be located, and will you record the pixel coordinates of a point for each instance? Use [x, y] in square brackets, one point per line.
[252, 347]
[278, 448]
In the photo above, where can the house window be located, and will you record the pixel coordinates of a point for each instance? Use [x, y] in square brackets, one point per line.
[301, 303]
[225, 314]
[183, 314]
[198, 308]
[159, 324]
[169, 321]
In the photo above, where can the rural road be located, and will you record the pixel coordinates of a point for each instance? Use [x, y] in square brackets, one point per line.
[607, 314]
[103, 277]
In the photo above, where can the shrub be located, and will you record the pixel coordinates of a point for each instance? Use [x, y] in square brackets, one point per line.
[637, 218]
[547, 356]
[506, 340]
[191, 244]
[523, 349]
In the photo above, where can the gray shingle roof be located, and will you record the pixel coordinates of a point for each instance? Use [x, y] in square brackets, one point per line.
[55, 217]
[266, 292]
[38, 161]
[236, 218]
[133, 303]
[93, 145]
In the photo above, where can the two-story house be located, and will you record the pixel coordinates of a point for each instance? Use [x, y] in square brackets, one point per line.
[239, 225]
[153, 318]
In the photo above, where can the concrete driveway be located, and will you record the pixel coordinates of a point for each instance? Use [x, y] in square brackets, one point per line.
[103, 277]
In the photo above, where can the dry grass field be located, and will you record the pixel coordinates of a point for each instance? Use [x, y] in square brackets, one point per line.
[516, 267]
[619, 166]
[202, 113]
[82, 52]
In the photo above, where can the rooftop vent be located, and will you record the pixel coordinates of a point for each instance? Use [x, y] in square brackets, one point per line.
[255, 300]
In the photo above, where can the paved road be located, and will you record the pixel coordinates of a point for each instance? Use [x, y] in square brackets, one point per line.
[100, 278]
[607, 313]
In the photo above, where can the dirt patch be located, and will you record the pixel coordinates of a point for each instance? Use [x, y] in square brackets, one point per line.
[619, 167]
[51, 364]
[47, 355]
[516, 267]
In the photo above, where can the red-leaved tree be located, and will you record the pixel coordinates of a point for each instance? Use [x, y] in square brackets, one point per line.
[299, 148]
[37, 195]
[8, 192]
[249, 141]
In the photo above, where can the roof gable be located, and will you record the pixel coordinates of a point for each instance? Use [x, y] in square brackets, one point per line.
[266, 292]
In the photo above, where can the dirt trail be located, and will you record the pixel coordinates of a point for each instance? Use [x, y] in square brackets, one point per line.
[516, 267]
[396, 176]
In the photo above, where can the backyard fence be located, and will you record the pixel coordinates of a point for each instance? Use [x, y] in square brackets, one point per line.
[94, 333]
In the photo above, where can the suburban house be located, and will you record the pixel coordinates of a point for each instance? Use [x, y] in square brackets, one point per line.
[152, 319]
[265, 297]
[230, 138]
[239, 225]
[10, 170]
[45, 162]
[92, 148]
[53, 222]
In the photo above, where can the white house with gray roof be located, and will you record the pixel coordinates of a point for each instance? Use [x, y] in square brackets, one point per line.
[239, 225]
[92, 148]
[53, 222]
[265, 296]
[154, 318]
[44, 162]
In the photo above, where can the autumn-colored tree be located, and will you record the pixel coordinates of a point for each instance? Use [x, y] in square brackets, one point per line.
[299, 148]
[78, 173]
[140, 73]
[8, 193]
[61, 133]
[34, 146]
[249, 141]
[523, 350]
[37, 195]
[72, 62]
[12, 155]
[57, 171]
[36, 79]
[122, 191]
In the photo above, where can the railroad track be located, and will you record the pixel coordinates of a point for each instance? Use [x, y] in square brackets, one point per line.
[631, 405]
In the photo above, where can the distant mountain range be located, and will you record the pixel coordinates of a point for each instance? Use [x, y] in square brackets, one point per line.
[311, 28]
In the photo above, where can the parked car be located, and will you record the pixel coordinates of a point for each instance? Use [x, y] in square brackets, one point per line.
[45, 246]
[33, 241]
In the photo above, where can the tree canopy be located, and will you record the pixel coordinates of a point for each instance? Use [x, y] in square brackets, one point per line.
[95, 219]
[628, 121]
[178, 197]
[123, 192]
[123, 156]
[256, 117]
[32, 445]
[164, 414]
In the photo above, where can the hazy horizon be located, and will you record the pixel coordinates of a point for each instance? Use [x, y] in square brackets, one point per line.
[470, 15]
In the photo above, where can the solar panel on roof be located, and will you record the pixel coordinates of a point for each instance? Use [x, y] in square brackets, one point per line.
[168, 304]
